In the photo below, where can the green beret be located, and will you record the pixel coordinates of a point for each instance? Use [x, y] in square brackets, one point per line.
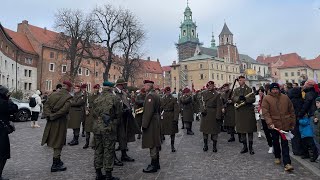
[108, 84]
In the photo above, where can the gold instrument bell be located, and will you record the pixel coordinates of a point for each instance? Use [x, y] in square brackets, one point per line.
[139, 110]
[242, 103]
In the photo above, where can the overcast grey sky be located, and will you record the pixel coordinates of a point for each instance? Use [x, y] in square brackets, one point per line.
[259, 27]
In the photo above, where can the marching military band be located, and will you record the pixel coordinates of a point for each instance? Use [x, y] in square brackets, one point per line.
[153, 114]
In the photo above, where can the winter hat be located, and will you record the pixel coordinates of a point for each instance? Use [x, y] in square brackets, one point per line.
[318, 99]
[274, 85]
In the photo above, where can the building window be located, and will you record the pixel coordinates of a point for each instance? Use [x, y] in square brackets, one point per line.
[212, 75]
[192, 32]
[30, 73]
[184, 33]
[48, 85]
[185, 67]
[51, 67]
[97, 73]
[28, 60]
[25, 73]
[275, 73]
[51, 55]
[230, 78]
[80, 71]
[227, 68]
[218, 77]
[25, 86]
[30, 85]
[286, 74]
[298, 73]
[114, 77]
[200, 66]
[201, 76]
[221, 67]
[88, 87]
[217, 66]
[174, 68]
[221, 76]
[87, 72]
[5, 64]
[1, 44]
[64, 69]
[236, 69]
[292, 73]
[12, 68]
[259, 69]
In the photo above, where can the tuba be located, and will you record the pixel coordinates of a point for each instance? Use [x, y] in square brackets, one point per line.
[242, 103]
[139, 110]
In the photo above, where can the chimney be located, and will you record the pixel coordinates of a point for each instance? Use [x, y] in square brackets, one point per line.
[45, 30]
[25, 22]
[148, 58]
[158, 60]
[174, 62]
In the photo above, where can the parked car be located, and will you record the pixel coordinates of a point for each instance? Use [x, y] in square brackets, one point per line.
[24, 110]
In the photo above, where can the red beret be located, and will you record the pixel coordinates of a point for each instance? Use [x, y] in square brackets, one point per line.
[147, 81]
[186, 90]
[157, 88]
[143, 90]
[83, 86]
[68, 83]
[97, 86]
[167, 89]
[210, 83]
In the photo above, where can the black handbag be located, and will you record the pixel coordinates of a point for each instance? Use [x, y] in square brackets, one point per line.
[9, 128]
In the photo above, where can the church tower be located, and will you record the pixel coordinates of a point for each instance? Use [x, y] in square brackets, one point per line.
[188, 38]
[226, 49]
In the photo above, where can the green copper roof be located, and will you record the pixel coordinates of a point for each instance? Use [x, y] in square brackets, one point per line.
[188, 28]
[198, 57]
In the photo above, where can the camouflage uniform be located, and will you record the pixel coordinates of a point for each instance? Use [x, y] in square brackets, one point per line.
[105, 136]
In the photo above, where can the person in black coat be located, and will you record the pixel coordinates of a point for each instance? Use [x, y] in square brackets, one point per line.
[309, 105]
[297, 101]
[7, 108]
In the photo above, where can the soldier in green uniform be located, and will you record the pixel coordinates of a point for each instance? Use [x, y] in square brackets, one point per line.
[106, 113]
[151, 126]
[139, 103]
[169, 116]
[187, 112]
[229, 118]
[128, 127]
[56, 110]
[243, 97]
[76, 114]
[211, 110]
[85, 107]
[89, 118]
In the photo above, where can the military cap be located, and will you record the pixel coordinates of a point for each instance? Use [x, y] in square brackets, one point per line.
[97, 86]
[83, 86]
[157, 88]
[209, 83]
[67, 83]
[186, 90]
[78, 86]
[148, 81]
[120, 81]
[108, 84]
[167, 89]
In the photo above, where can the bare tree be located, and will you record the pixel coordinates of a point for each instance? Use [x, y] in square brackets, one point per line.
[77, 31]
[131, 47]
[111, 23]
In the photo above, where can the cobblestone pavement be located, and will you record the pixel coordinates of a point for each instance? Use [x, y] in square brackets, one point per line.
[30, 160]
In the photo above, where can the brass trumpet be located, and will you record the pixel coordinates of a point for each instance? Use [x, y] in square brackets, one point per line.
[242, 103]
[139, 110]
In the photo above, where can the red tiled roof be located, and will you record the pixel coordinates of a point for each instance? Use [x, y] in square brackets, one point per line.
[166, 68]
[289, 60]
[152, 66]
[43, 35]
[314, 63]
[20, 40]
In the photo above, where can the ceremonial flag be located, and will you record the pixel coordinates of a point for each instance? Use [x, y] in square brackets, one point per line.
[284, 134]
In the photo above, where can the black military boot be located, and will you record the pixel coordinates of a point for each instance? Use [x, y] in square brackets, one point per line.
[239, 138]
[125, 157]
[182, 125]
[99, 175]
[232, 139]
[157, 163]
[151, 167]
[172, 145]
[87, 142]
[75, 141]
[57, 165]
[2, 164]
[189, 130]
[117, 162]
[214, 146]
[245, 148]
[83, 134]
[110, 177]
[251, 148]
[205, 147]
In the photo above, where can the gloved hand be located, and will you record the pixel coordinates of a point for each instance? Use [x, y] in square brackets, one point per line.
[242, 98]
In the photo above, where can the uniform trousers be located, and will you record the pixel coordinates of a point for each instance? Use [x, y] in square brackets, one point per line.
[243, 137]
[154, 152]
[214, 137]
[104, 151]
[57, 152]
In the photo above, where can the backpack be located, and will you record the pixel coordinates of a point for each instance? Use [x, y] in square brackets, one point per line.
[32, 102]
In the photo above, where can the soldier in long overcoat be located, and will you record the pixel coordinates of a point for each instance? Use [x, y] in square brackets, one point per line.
[229, 111]
[89, 115]
[139, 103]
[76, 114]
[169, 116]
[244, 114]
[128, 127]
[187, 106]
[85, 107]
[211, 109]
[105, 130]
[151, 126]
[56, 110]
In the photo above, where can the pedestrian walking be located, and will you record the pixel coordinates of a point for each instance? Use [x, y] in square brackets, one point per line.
[35, 106]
